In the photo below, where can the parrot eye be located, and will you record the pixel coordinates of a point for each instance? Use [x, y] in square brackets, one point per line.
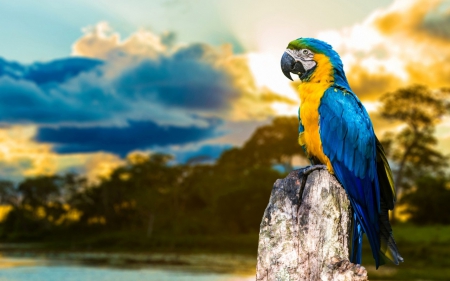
[305, 52]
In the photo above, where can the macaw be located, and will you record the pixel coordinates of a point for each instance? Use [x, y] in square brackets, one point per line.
[335, 130]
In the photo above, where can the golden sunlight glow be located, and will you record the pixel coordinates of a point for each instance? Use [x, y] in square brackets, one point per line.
[443, 134]
[4, 210]
[267, 73]
[17, 149]
[400, 213]
[100, 165]
[21, 155]
[284, 109]
[371, 106]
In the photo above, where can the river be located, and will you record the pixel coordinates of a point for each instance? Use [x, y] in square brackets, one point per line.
[35, 269]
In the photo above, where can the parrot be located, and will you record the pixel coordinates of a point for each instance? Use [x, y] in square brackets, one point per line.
[335, 130]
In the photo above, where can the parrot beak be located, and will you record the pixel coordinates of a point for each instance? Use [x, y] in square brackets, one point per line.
[290, 65]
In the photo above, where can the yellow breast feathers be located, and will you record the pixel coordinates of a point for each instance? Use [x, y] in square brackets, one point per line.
[310, 94]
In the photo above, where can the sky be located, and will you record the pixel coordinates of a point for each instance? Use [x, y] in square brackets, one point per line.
[84, 84]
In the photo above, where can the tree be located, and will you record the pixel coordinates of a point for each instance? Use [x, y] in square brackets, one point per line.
[40, 207]
[274, 144]
[413, 148]
[8, 194]
[428, 204]
[245, 175]
[42, 195]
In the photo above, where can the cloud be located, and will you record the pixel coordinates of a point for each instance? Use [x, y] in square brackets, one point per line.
[100, 165]
[197, 153]
[101, 41]
[122, 140]
[24, 102]
[437, 23]
[369, 86]
[89, 92]
[143, 91]
[187, 80]
[21, 156]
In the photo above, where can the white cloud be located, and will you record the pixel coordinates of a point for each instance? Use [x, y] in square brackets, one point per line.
[102, 42]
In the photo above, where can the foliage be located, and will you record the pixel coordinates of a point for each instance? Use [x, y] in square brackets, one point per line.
[428, 204]
[413, 148]
[151, 196]
[8, 195]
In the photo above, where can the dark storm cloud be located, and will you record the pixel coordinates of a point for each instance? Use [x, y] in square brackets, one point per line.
[82, 91]
[56, 71]
[79, 106]
[59, 71]
[33, 94]
[121, 140]
[184, 80]
[23, 102]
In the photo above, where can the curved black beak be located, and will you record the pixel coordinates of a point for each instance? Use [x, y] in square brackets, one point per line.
[290, 65]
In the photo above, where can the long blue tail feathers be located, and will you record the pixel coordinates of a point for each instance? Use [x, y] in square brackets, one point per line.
[381, 239]
[356, 241]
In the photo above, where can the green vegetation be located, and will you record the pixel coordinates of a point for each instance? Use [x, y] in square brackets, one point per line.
[426, 250]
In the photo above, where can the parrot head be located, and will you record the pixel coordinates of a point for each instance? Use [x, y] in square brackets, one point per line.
[310, 58]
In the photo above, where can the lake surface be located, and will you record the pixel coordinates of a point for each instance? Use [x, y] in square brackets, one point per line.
[45, 270]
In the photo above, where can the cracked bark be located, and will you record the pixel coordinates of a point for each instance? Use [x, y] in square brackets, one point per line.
[305, 230]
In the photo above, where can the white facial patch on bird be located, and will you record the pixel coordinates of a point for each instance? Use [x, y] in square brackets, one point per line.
[304, 56]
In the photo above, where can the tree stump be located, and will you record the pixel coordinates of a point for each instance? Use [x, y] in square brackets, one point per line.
[305, 230]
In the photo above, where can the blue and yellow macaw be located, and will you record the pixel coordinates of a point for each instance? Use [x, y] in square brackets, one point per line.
[335, 130]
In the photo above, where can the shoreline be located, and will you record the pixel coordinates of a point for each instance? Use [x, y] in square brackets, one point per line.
[217, 263]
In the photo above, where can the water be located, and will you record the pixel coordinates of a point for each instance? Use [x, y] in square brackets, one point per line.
[35, 270]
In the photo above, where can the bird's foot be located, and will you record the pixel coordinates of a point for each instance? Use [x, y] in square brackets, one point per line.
[345, 267]
[308, 170]
[303, 174]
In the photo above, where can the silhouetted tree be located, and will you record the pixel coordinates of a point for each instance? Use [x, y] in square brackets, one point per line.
[276, 143]
[39, 208]
[413, 148]
[8, 194]
[42, 195]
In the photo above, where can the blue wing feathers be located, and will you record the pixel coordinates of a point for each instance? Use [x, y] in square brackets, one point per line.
[349, 142]
[341, 131]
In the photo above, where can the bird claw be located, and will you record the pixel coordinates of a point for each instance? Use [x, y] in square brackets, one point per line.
[303, 174]
[308, 170]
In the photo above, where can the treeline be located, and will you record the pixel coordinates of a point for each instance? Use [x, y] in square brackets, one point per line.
[151, 196]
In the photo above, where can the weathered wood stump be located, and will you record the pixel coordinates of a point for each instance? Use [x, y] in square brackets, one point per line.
[305, 230]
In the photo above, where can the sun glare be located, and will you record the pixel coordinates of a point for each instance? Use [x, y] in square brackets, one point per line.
[284, 109]
[266, 71]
